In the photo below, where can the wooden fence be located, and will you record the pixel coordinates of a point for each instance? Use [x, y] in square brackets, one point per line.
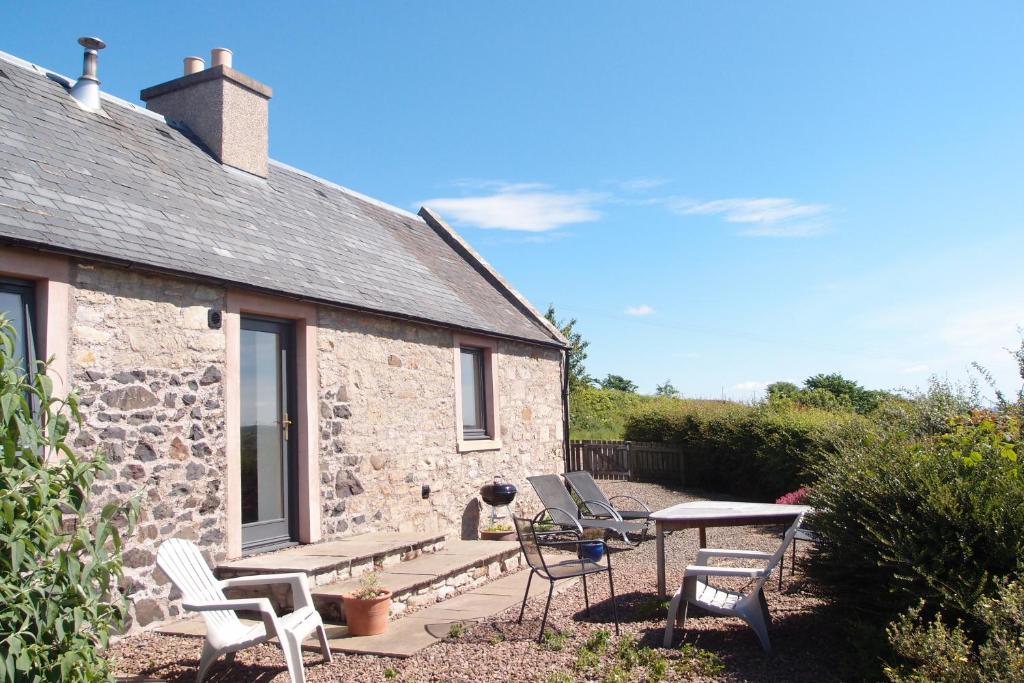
[629, 460]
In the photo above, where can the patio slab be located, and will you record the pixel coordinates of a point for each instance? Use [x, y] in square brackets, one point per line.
[408, 635]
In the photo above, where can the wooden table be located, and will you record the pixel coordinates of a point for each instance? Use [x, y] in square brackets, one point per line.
[701, 514]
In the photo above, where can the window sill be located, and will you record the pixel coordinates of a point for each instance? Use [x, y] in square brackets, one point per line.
[479, 445]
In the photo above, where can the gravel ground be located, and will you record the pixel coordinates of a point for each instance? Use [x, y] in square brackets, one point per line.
[808, 645]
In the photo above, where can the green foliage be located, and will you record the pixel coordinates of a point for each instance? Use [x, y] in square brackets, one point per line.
[390, 673]
[928, 412]
[696, 661]
[667, 389]
[558, 677]
[903, 519]
[845, 391]
[369, 587]
[457, 630]
[627, 658]
[554, 640]
[577, 349]
[601, 413]
[57, 588]
[934, 651]
[782, 391]
[618, 383]
[758, 452]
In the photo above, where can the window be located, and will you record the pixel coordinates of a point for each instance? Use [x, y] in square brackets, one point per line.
[477, 423]
[17, 304]
[474, 393]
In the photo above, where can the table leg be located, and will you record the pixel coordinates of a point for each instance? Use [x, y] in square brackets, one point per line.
[703, 537]
[659, 534]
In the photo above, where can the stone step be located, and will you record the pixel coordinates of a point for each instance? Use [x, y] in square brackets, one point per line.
[330, 561]
[429, 578]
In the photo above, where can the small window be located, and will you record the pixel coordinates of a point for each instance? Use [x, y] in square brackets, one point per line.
[17, 300]
[474, 394]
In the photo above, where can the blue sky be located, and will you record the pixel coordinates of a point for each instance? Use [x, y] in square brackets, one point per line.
[724, 194]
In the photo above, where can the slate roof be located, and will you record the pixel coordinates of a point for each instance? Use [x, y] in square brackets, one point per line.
[131, 188]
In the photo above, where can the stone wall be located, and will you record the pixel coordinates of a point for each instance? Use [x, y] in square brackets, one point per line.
[149, 372]
[150, 375]
[387, 404]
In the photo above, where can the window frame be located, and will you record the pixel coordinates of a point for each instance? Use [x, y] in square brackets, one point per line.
[29, 341]
[478, 430]
[489, 438]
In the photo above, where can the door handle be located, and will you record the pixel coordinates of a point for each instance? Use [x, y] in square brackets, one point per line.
[285, 424]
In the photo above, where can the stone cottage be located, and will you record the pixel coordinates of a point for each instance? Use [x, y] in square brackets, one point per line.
[266, 357]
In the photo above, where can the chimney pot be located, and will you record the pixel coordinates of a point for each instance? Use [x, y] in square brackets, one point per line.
[227, 110]
[220, 56]
[194, 65]
[87, 88]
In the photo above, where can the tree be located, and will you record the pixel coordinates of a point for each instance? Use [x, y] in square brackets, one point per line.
[58, 588]
[846, 390]
[666, 389]
[578, 376]
[781, 391]
[619, 383]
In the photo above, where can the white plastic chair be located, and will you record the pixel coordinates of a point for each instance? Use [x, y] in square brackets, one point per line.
[225, 634]
[749, 605]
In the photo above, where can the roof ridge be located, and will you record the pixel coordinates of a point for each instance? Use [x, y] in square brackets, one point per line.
[434, 220]
[30, 66]
[346, 190]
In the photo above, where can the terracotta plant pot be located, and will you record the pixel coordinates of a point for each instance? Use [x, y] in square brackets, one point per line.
[497, 535]
[367, 617]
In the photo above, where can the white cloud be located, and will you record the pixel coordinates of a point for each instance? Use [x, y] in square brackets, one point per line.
[751, 386]
[530, 207]
[642, 309]
[767, 216]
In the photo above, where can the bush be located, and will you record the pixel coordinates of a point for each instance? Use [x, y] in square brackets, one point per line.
[758, 452]
[602, 413]
[934, 651]
[903, 520]
[56, 586]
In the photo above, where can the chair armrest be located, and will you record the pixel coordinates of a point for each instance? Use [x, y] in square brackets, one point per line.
[614, 515]
[701, 570]
[299, 582]
[636, 500]
[704, 553]
[235, 605]
[261, 605]
[540, 515]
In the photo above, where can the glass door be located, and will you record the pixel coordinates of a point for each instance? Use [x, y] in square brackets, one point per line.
[268, 434]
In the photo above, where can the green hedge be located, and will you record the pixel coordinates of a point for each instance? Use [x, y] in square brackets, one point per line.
[596, 413]
[904, 520]
[757, 452]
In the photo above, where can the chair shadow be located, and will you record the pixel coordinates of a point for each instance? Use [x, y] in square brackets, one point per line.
[185, 668]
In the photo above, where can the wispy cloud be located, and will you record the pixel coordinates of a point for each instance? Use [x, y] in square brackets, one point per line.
[641, 310]
[530, 207]
[752, 386]
[766, 216]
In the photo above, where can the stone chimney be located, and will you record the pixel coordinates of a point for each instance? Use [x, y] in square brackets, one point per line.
[226, 109]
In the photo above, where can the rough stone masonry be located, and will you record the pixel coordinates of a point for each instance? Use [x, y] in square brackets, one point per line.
[150, 373]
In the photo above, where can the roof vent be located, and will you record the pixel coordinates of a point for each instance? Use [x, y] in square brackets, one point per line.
[87, 88]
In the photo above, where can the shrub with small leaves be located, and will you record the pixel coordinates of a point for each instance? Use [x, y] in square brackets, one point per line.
[58, 598]
[935, 651]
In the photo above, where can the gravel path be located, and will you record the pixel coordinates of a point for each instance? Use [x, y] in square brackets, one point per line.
[808, 646]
